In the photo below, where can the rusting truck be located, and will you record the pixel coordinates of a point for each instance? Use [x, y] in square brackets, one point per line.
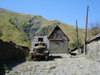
[40, 51]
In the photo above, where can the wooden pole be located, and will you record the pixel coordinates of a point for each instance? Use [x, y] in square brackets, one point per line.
[86, 31]
[77, 35]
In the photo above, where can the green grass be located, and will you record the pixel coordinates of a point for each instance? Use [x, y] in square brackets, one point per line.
[16, 27]
[28, 58]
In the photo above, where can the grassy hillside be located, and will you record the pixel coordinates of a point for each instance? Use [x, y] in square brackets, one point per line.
[18, 27]
[9, 31]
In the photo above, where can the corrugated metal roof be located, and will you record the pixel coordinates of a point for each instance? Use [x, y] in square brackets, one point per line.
[95, 37]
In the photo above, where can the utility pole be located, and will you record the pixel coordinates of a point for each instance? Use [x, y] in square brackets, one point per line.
[77, 35]
[86, 31]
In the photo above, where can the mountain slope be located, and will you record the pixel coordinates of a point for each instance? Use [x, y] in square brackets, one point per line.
[18, 27]
[9, 31]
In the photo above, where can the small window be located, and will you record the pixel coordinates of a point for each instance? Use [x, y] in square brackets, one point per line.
[40, 39]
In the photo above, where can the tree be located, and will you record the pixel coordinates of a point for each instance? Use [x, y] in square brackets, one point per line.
[95, 29]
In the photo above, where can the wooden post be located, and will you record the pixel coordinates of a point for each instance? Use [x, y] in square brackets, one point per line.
[77, 35]
[86, 31]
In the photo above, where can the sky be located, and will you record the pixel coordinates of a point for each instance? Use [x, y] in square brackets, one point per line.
[66, 11]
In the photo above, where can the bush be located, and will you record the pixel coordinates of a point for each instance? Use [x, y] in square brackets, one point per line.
[5, 68]
[28, 58]
[95, 29]
[74, 45]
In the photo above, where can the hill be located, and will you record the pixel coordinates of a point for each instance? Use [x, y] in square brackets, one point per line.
[18, 27]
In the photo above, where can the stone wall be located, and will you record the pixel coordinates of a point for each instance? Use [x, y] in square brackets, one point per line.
[58, 46]
[10, 51]
[93, 50]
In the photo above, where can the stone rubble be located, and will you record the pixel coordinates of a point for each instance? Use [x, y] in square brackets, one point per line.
[58, 66]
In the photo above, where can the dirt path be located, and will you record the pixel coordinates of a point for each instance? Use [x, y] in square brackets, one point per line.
[61, 65]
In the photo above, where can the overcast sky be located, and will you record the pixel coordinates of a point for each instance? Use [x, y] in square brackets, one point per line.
[66, 11]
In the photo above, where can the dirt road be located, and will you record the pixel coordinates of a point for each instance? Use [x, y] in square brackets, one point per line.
[62, 64]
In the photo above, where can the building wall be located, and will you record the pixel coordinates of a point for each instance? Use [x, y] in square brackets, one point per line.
[58, 46]
[93, 50]
[35, 40]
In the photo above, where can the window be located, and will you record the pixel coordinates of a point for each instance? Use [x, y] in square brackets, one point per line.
[40, 39]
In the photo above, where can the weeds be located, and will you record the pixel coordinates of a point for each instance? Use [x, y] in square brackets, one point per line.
[5, 68]
[28, 58]
[16, 73]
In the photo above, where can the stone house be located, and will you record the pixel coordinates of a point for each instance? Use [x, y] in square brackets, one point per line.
[93, 48]
[57, 41]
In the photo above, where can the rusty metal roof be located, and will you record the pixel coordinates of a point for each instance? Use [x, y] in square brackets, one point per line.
[93, 38]
[54, 39]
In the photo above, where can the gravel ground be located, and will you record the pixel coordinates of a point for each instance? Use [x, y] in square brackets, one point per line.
[58, 66]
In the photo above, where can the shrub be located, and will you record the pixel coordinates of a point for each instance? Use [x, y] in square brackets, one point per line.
[5, 68]
[28, 58]
[74, 45]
